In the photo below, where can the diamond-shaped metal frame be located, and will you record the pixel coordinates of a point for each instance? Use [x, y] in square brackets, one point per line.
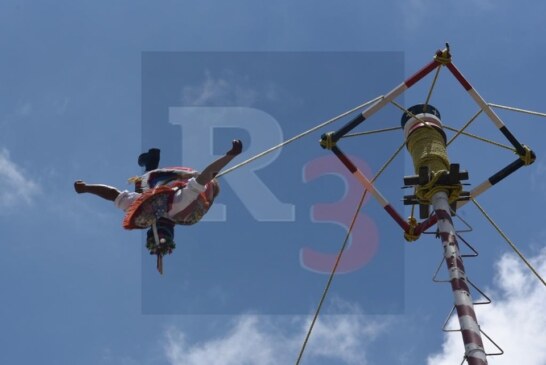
[442, 58]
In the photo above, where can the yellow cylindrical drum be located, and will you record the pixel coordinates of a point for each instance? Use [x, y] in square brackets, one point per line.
[425, 138]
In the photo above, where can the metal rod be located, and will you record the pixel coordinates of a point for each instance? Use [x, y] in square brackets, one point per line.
[159, 256]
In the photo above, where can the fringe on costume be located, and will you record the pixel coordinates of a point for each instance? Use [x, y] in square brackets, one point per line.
[159, 188]
[148, 207]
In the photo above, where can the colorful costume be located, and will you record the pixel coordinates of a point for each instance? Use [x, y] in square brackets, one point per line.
[164, 197]
[171, 193]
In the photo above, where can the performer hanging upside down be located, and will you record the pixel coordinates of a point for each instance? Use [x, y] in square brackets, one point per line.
[168, 196]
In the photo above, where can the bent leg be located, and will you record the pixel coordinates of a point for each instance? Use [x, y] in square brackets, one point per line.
[214, 168]
[104, 191]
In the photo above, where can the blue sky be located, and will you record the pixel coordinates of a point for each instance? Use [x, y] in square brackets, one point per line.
[74, 284]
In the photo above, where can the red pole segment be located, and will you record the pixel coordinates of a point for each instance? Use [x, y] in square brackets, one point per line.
[390, 96]
[426, 224]
[410, 81]
[397, 91]
[475, 96]
[371, 188]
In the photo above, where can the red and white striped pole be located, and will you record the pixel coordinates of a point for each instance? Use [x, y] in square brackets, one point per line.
[426, 143]
[470, 330]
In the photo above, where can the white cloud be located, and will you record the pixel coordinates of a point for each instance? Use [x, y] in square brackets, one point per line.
[15, 187]
[226, 90]
[515, 320]
[258, 340]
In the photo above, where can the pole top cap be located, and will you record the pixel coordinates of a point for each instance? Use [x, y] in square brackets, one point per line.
[421, 115]
[419, 109]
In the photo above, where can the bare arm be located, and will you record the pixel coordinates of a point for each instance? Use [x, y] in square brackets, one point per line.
[104, 191]
[214, 168]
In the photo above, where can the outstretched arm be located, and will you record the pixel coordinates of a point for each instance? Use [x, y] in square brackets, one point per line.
[214, 168]
[104, 191]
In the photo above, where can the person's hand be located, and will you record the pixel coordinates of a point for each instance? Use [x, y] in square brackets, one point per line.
[237, 147]
[79, 186]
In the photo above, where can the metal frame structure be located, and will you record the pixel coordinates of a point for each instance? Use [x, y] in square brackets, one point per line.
[442, 58]
[443, 208]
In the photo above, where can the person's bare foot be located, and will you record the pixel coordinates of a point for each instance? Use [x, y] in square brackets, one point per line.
[79, 186]
[237, 147]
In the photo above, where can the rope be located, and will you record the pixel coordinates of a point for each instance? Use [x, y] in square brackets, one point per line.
[460, 131]
[410, 235]
[371, 132]
[531, 112]
[327, 141]
[412, 211]
[342, 249]
[443, 57]
[428, 149]
[429, 95]
[528, 157]
[481, 139]
[290, 140]
[512, 245]
[330, 279]
[389, 161]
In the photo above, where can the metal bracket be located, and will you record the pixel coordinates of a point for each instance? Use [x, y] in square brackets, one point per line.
[453, 178]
